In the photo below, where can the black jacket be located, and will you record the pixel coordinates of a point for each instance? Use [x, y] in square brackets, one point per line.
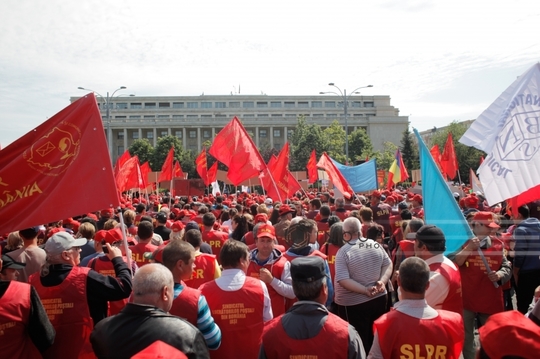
[137, 326]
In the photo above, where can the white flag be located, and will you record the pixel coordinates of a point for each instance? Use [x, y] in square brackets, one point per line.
[215, 188]
[509, 132]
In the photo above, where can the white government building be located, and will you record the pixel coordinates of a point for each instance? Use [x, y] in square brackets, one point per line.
[268, 119]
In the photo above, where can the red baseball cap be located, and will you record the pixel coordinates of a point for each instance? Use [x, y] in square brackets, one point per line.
[266, 230]
[486, 218]
[113, 235]
[177, 226]
[159, 349]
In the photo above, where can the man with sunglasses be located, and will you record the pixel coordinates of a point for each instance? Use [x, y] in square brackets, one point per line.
[482, 292]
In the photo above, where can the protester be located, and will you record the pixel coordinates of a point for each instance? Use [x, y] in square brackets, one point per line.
[381, 212]
[25, 330]
[189, 303]
[206, 265]
[331, 247]
[414, 329]
[146, 320]
[241, 304]
[161, 220]
[285, 216]
[30, 253]
[362, 271]
[213, 237]
[13, 242]
[87, 230]
[308, 330]
[76, 297]
[145, 231]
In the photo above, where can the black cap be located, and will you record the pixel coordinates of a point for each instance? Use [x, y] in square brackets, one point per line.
[429, 234]
[161, 217]
[8, 262]
[192, 225]
[307, 269]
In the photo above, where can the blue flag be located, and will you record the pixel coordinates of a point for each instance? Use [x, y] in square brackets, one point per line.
[440, 207]
[361, 178]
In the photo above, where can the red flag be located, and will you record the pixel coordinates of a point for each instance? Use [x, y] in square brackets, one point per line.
[436, 154]
[448, 159]
[120, 161]
[178, 173]
[397, 172]
[276, 175]
[145, 170]
[235, 148]
[202, 165]
[40, 170]
[335, 176]
[212, 173]
[312, 168]
[294, 186]
[130, 175]
[167, 168]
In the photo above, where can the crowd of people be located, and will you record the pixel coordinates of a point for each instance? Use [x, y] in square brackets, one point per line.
[321, 274]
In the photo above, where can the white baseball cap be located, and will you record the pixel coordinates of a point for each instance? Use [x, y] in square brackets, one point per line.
[62, 241]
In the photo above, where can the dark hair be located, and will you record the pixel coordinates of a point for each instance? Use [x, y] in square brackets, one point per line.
[316, 202]
[140, 208]
[274, 216]
[335, 235]
[89, 220]
[193, 237]
[414, 275]
[242, 227]
[325, 211]
[524, 211]
[308, 290]
[374, 231]
[145, 230]
[333, 220]
[28, 233]
[232, 252]
[147, 219]
[208, 219]
[406, 214]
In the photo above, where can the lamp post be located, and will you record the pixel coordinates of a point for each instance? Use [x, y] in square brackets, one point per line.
[107, 101]
[345, 98]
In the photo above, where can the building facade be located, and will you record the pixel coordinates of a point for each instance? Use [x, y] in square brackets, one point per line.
[269, 120]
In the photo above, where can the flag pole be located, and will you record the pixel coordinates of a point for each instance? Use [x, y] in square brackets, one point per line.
[124, 240]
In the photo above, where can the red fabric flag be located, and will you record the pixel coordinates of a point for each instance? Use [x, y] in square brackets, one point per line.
[313, 175]
[130, 175]
[120, 161]
[294, 186]
[167, 168]
[235, 148]
[333, 173]
[60, 169]
[178, 173]
[202, 166]
[145, 170]
[448, 159]
[275, 176]
[212, 173]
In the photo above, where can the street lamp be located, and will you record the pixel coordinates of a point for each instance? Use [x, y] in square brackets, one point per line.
[107, 101]
[343, 94]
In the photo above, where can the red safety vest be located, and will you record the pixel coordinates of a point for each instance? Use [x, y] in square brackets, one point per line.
[186, 305]
[239, 315]
[67, 308]
[203, 271]
[440, 337]
[289, 302]
[248, 238]
[277, 344]
[216, 240]
[138, 251]
[454, 300]
[14, 316]
[103, 265]
[479, 293]
[276, 268]
[322, 233]
[331, 250]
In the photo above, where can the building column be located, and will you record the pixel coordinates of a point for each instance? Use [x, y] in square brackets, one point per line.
[184, 139]
[125, 139]
[198, 138]
[155, 136]
[169, 131]
[271, 134]
[213, 133]
[285, 135]
[257, 136]
[140, 133]
[110, 139]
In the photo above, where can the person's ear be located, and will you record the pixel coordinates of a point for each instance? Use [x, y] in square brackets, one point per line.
[165, 294]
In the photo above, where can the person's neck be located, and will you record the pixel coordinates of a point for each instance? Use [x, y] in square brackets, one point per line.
[30, 243]
[260, 258]
[411, 296]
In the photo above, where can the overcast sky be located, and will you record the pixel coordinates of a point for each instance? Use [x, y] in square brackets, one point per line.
[439, 61]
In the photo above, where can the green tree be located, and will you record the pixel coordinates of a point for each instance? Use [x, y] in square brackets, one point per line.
[187, 161]
[467, 157]
[360, 145]
[409, 151]
[386, 156]
[141, 148]
[335, 141]
[305, 138]
[161, 150]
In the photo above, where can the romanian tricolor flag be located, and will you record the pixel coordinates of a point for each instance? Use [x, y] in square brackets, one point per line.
[397, 172]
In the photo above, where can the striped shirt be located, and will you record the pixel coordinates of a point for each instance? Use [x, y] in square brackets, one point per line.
[361, 260]
[205, 322]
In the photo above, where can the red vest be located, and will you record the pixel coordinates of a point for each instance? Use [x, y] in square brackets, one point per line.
[289, 302]
[138, 251]
[440, 337]
[248, 238]
[322, 233]
[239, 315]
[342, 214]
[14, 316]
[453, 301]
[204, 270]
[331, 250]
[104, 266]
[186, 305]
[276, 268]
[67, 308]
[216, 240]
[277, 344]
[479, 293]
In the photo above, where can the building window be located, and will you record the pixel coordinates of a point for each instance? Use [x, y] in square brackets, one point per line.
[331, 115]
[220, 104]
[277, 115]
[120, 150]
[290, 115]
[163, 116]
[329, 103]
[177, 117]
[135, 135]
[149, 117]
[192, 117]
[206, 104]
[318, 115]
[120, 135]
[178, 134]
[192, 105]
[206, 133]
[248, 116]
[150, 105]
[277, 133]
[177, 105]
[119, 116]
[164, 105]
[164, 133]
[220, 116]
[290, 133]
[289, 104]
[136, 105]
[135, 116]
[234, 104]
[303, 104]
[206, 117]
[192, 134]
[370, 114]
[262, 115]
[248, 104]
[356, 104]
[262, 104]
[358, 115]
[275, 104]
[262, 133]
[150, 135]
[316, 104]
[368, 104]
[122, 106]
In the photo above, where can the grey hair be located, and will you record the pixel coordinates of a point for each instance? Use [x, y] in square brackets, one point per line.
[151, 279]
[50, 259]
[352, 225]
[308, 291]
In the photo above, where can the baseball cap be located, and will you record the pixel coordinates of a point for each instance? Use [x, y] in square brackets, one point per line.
[307, 269]
[192, 225]
[161, 217]
[159, 349]
[177, 226]
[266, 230]
[113, 235]
[8, 262]
[268, 201]
[486, 218]
[284, 209]
[430, 234]
[62, 241]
